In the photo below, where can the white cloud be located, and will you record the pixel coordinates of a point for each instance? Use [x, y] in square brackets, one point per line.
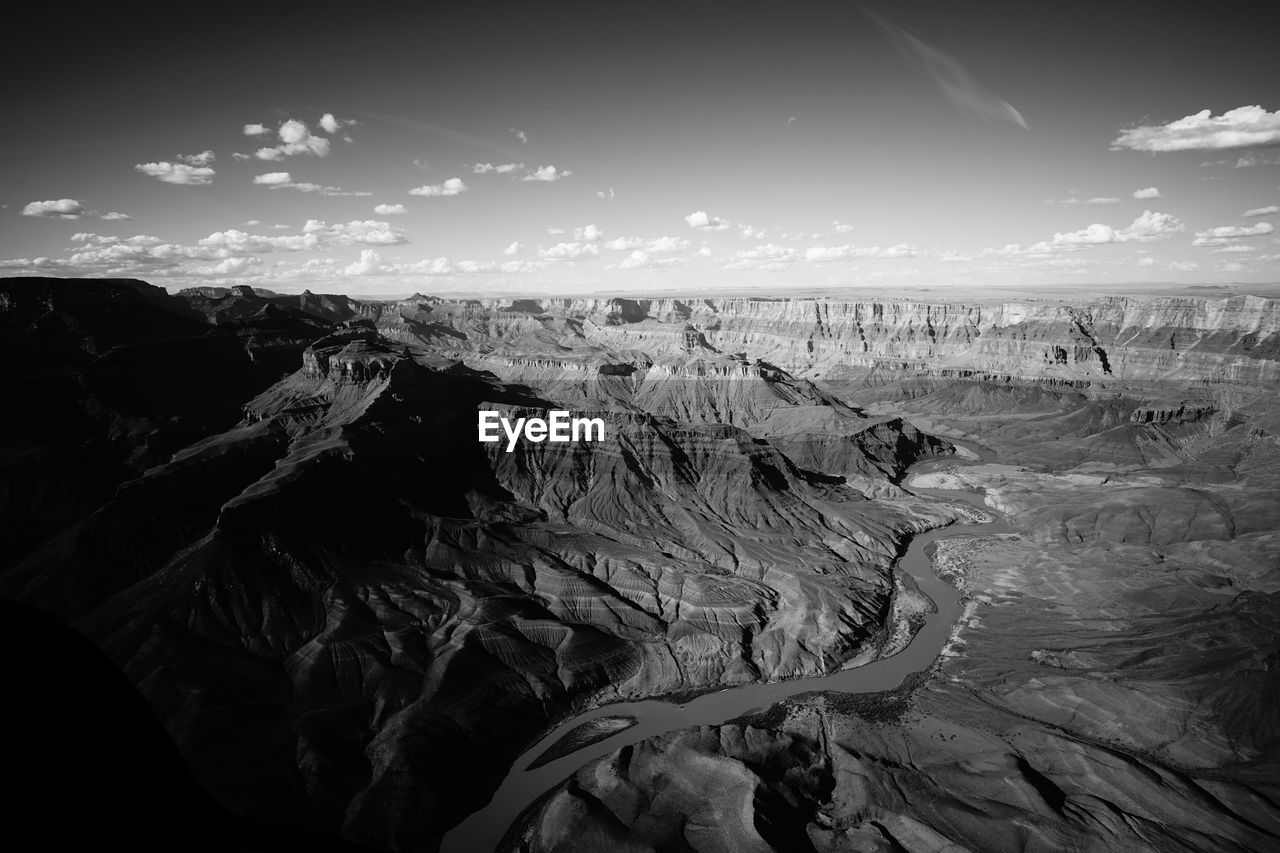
[1233, 248]
[513, 249]
[331, 125]
[555, 232]
[643, 260]
[624, 244]
[285, 181]
[204, 158]
[1149, 226]
[588, 233]
[1184, 266]
[500, 168]
[605, 195]
[390, 209]
[520, 134]
[238, 242]
[546, 173]
[116, 216]
[1239, 128]
[1095, 200]
[667, 246]
[1231, 266]
[821, 254]
[749, 232]
[61, 208]
[453, 186]
[703, 221]
[370, 263]
[1148, 261]
[295, 138]
[569, 251]
[840, 227]
[255, 130]
[1223, 234]
[178, 173]
[1149, 192]
[368, 231]
[1269, 210]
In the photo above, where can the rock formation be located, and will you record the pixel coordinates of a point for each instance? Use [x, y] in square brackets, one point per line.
[272, 513]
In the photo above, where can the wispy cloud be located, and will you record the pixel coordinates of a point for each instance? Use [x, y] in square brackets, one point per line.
[390, 209]
[1094, 200]
[285, 181]
[1224, 234]
[1269, 210]
[949, 76]
[547, 173]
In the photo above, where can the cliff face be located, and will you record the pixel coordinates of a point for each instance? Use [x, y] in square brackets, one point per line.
[1111, 339]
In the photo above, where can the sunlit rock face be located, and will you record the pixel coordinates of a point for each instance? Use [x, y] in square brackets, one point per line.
[273, 513]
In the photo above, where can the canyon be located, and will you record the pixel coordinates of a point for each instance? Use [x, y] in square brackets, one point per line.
[271, 513]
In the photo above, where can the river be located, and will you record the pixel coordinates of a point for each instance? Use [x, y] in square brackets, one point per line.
[484, 829]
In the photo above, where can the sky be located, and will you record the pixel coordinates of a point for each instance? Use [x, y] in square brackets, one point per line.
[561, 148]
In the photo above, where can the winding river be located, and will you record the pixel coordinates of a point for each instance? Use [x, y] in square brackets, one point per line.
[484, 829]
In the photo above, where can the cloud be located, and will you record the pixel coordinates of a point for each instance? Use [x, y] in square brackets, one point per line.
[285, 181]
[569, 251]
[840, 227]
[1223, 234]
[588, 233]
[237, 242]
[331, 125]
[501, 168]
[667, 245]
[255, 130]
[520, 134]
[453, 186]
[1184, 266]
[821, 254]
[204, 158]
[1233, 248]
[949, 76]
[513, 249]
[1148, 261]
[390, 209]
[295, 138]
[178, 173]
[368, 231]
[61, 208]
[1095, 200]
[605, 195]
[1147, 227]
[419, 163]
[546, 173]
[1149, 192]
[644, 260]
[1231, 266]
[116, 216]
[1269, 210]
[1239, 128]
[703, 221]
[370, 263]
